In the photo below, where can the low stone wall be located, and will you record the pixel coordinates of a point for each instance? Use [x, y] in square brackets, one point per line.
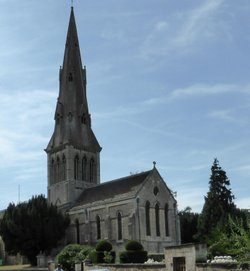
[153, 267]
[127, 267]
[215, 267]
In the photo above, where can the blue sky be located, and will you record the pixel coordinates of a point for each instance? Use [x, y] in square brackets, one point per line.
[168, 81]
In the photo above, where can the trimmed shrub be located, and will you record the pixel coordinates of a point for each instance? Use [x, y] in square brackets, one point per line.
[134, 256]
[134, 253]
[99, 257]
[134, 245]
[103, 245]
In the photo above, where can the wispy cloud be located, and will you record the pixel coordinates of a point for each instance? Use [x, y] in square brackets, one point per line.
[198, 24]
[184, 30]
[225, 115]
[22, 123]
[193, 91]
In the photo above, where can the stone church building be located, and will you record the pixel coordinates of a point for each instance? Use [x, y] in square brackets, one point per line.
[139, 207]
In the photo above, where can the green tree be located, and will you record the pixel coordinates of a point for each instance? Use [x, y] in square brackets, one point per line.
[32, 227]
[188, 225]
[218, 202]
[230, 239]
[73, 253]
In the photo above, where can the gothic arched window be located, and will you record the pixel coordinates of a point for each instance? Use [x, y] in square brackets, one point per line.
[70, 77]
[63, 168]
[119, 226]
[91, 170]
[84, 168]
[98, 227]
[52, 171]
[166, 220]
[147, 214]
[58, 173]
[76, 167]
[157, 219]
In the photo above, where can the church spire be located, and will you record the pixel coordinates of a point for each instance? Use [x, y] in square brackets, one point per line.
[73, 151]
[72, 118]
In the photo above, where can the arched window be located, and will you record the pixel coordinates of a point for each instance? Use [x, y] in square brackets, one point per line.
[84, 168]
[58, 173]
[156, 191]
[70, 77]
[77, 231]
[76, 167]
[63, 168]
[147, 214]
[91, 170]
[157, 219]
[52, 171]
[119, 226]
[166, 220]
[98, 227]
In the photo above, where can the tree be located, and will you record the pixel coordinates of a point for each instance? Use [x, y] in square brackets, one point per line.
[218, 202]
[32, 227]
[73, 253]
[188, 225]
[230, 239]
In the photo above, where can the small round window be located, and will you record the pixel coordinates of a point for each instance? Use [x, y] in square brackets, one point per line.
[156, 191]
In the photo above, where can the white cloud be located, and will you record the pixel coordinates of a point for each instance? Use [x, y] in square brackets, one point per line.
[23, 117]
[184, 31]
[198, 24]
[196, 90]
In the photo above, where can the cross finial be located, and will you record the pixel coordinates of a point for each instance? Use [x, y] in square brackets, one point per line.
[72, 3]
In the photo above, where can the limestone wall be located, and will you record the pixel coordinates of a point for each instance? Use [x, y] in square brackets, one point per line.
[127, 267]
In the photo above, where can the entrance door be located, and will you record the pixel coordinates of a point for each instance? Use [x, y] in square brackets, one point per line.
[179, 264]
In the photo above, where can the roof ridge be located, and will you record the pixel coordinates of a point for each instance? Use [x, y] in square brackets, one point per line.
[127, 177]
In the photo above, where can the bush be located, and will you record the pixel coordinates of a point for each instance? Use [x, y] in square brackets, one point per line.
[101, 257]
[103, 253]
[84, 253]
[103, 245]
[71, 254]
[134, 245]
[134, 253]
[133, 256]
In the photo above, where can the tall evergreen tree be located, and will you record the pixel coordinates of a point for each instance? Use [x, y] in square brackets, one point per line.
[31, 227]
[218, 204]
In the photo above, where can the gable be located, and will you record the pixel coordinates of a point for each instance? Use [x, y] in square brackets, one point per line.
[155, 190]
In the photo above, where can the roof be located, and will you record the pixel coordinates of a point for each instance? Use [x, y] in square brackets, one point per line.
[111, 189]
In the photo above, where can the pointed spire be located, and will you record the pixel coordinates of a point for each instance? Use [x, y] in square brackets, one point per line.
[73, 122]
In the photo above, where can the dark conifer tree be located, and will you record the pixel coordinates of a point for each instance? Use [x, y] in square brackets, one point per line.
[218, 204]
[31, 227]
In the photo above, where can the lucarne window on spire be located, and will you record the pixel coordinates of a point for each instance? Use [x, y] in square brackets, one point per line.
[70, 77]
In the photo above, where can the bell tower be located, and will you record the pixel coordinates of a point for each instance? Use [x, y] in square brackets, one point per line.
[73, 152]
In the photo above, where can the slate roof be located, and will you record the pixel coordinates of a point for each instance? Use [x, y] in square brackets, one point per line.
[111, 189]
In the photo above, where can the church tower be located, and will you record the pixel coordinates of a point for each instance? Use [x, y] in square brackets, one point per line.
[73, 152]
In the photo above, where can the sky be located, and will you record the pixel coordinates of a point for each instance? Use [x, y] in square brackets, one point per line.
[167, 81]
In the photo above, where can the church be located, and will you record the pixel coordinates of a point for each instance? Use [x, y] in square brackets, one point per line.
[135, 207]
